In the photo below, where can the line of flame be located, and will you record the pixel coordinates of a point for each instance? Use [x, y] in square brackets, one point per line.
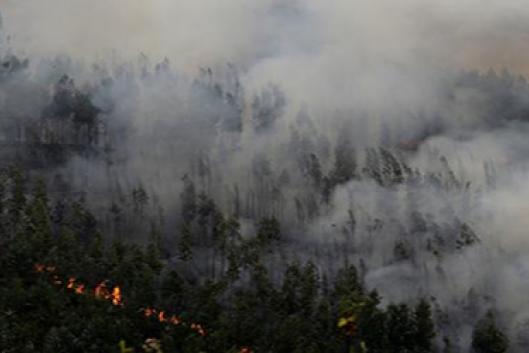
[101, 292]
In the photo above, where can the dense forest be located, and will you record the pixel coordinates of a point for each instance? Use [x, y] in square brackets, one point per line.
[67, 288]
[145, 208]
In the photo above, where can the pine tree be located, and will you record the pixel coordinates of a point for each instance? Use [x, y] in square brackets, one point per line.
[38, 223]
[82, 222]
[290, 289]
[308, 289]
[372, 324]
[314, 171]
[347, 282]
[185, 244]
[344, 162]
[140, 200]
[153, 252]
[400, 329]
[373, 167]
[205, 213]
[2, 203]
[268, 231]
[424, 327]
[189, 202]
[17, 201]
[487, 338]
[391, 170]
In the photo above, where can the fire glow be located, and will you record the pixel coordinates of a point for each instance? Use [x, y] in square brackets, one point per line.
[113, 294]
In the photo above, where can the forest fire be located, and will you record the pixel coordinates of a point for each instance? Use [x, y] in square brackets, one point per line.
[348, 325]
[198, 329]
[174, 320]
[148, 312]
[71, 283]
[116, 296]
[79, 289]
[102, 292]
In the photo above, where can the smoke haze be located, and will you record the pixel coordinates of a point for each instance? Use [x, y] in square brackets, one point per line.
[238, 93]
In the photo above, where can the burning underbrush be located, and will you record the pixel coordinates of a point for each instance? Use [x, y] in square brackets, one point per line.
[112, 294]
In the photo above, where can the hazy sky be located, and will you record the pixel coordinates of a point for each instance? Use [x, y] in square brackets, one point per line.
[482, 33]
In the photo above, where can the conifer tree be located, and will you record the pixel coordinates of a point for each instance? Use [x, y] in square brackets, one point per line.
[487, 337]
[424, 327]
[185, 244]
[400, 329]
[17, 200]
[268, 231]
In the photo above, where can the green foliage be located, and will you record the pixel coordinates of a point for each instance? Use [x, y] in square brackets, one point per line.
[401, 329]
[424, 327]
[241, 304]
[487, 338]
[268, 231]
[185, 244]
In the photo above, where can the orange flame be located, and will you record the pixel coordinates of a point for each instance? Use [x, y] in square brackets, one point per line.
[198, 328]
[101, 291]
[149, 312]
[116, 296]
[161, 316]
[201, 331]
[175, 320]
[71, 283]
[79, 289]
[245, 349]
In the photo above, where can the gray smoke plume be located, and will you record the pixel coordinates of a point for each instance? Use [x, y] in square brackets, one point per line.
[375, 132]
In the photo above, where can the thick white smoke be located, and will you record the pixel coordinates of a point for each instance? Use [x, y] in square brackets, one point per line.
[389, 70]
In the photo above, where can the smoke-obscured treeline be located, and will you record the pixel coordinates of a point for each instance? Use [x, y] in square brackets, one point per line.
[278, 224]
[66, 288]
